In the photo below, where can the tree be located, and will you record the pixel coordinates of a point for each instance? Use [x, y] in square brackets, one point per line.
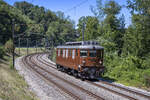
[60, 33]
[140, 25]
[99, 10]
[111, 28]
[91, 27]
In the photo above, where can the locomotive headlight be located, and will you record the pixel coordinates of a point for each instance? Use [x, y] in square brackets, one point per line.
[79, 67]
[100, 62]
[83, 61]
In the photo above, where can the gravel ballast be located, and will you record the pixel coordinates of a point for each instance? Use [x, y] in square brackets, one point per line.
[48, 91]
[43, 89]
[110, 87]
[94, 89]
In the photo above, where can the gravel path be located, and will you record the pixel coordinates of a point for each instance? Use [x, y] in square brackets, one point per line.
[43, 89]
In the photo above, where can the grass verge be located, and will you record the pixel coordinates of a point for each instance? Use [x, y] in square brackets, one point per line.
[23, 51]
[12, 85]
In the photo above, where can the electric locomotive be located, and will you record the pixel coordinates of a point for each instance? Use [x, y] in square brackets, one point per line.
[83, 59]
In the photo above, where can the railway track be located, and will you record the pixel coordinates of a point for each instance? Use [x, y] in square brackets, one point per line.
[28, 65]
[55, 79]
[131, 95]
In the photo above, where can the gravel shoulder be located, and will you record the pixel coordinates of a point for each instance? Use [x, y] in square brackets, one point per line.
[43, 89]
[12, 85]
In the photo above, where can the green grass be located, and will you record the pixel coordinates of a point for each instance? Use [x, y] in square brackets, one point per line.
[53, 57]
[23, 51]
[12, 85]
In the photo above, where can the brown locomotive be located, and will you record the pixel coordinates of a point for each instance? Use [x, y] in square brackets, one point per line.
[83, 59]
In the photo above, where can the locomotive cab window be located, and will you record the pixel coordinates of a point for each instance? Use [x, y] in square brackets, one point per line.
[83, 53]
[92, 53]
[100, 54]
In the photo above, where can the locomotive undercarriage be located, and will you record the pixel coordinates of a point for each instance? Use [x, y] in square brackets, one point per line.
[85, 73]
[91, 72]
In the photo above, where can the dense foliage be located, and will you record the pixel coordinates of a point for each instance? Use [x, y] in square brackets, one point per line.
[127, 50]
[9, 46]
[1, 51]
[34, 22]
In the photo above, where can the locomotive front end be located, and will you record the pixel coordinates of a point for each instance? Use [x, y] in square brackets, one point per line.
[91, 63]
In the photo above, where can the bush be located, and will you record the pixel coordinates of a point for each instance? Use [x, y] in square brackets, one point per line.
[11, 65]
[9, 46]
[53, 55]
[147, 77]
[126, 69]
[2, 52]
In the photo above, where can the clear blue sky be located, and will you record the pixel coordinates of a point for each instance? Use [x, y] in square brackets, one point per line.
[75, 13]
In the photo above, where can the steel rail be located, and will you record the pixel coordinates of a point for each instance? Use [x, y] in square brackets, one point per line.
[74, 85]
[116, 86]
[70, 83]
[24, 60]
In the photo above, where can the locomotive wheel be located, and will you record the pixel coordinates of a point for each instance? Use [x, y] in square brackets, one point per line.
[82, 76]
[69, 72]
[58, 67]
[75, 73]
[63, 69]
[82, 79]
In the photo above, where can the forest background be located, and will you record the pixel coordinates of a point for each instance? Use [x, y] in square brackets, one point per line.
[127, 49]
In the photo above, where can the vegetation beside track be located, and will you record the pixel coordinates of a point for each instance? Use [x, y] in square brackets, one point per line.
[12, 85]
[23, 50]
[52, 56]
[131, 70]
[127, 47]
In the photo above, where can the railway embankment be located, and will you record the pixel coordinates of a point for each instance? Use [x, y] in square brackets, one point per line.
[12, 85]
[39, 86]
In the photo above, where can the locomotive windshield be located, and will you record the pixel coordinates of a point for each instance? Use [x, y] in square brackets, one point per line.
[83, 53]
[92, 53]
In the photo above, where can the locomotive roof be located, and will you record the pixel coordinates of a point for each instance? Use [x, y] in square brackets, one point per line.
[81, 45]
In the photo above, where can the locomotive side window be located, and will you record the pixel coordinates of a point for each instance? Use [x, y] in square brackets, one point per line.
[61, 51]
[66, 53]
[76, 52]
[73, 54]
[69, 52]
[92, 53]
[83, 53]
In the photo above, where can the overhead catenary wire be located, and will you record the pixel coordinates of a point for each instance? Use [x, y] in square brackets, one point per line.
[76, 6]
